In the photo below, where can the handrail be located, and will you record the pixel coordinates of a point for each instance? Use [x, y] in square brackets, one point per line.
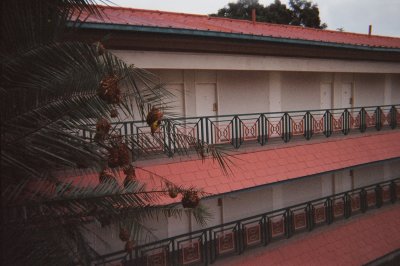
[207, 245]
[257, 128]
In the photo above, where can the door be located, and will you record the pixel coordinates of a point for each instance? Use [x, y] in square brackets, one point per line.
[326, 96]
[175, 103]
[206, 99]
[206, 105]
[347, 95]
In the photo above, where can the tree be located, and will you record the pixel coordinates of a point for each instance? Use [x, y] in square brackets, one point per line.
[51, 90]
[277, 13]
[242, 9]
[300, 12]
[305, 14]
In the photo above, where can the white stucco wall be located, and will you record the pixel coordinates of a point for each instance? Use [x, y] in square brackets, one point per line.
[238, 92]
[368, 175]
[244, 204]
[395, 84]
[106, 239]
[369, 89]
[242, 92]
[300, 91]
[212, 61]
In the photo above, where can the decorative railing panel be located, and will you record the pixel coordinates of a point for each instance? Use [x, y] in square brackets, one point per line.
[203, 247]
[261, 128]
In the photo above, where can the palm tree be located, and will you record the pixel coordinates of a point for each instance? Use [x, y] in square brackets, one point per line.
[51, 91]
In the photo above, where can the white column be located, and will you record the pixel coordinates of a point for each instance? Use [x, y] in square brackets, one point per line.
[189, 92]
[388, 90]
[277, 200]
[326, 185]
[275, 89]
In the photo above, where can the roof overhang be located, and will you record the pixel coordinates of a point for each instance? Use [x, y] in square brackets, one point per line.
[173, 39]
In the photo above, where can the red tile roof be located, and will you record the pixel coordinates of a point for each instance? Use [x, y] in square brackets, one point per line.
[263, 167]
[162, 19]
[282, 163]
[356, 241]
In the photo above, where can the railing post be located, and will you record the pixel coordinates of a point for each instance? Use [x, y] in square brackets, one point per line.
[363, 125]
[346, 122]
[175, 254]
[288, 223]
[262, 133]
[237, 132]
[329, 210]
[363, 200]
[347, 205]
[239, 238]
[286, 127]
[393, 195]
[393, 117]
[206, 120]
[378, 118]
[309, 216]
[264, 231]
[308, 129]
[378, 196]
[168, 130]
[205, 249]
[202, 130]
[327, 123]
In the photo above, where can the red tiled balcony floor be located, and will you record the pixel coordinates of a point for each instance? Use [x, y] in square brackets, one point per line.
[282, 163]
[350, 242]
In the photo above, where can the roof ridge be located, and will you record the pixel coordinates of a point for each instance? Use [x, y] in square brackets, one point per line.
[152, 10]
[251, 22]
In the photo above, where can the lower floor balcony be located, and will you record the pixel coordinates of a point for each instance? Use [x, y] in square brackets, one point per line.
[217, 243]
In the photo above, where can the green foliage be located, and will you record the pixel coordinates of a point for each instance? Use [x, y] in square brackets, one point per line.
[51, 90]
[300, 12]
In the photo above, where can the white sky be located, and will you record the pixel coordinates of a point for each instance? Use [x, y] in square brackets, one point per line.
[352, 15]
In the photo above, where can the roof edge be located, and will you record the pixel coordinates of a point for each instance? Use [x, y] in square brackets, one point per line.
[203, 33]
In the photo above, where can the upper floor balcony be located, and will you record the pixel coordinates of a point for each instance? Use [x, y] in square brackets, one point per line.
[176, 135]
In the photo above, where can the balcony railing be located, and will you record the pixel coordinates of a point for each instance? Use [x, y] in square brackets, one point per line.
[258, 128]
[205, 246]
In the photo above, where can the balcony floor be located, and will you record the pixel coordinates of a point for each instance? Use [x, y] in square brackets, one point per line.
[355, 241]
[281, 163]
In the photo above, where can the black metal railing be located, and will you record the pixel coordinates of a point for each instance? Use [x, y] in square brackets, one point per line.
[205, 246]
[261, 128]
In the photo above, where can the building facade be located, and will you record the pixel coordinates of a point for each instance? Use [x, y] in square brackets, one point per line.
[309, 113]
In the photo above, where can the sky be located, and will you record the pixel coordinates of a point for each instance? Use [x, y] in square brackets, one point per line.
[351, 15]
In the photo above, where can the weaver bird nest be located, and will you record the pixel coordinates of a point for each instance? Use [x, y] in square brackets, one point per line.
[119, 155]
[106, 175]
[190, 199]
[124, 234]
[109, 90]
[153, 119]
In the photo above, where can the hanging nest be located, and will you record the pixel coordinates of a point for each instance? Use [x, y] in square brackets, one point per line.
[129, 246]
[113, 157]
[124, 154]
[99, 48]
[114, 113]
[190, 199]
[129, 175]
[109, 90]
[106, 176]
[124, 234]
[153, 119]
[119, 155]
[105, 220]
[173, 192]
[103, 127]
